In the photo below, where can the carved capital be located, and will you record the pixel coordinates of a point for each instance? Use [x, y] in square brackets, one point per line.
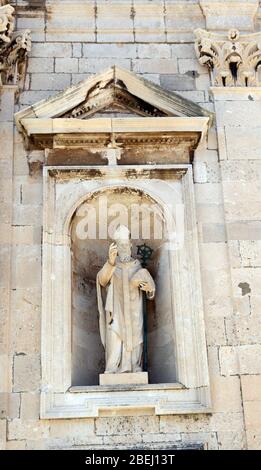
[233, 59]
[6, 23]
[14, 48]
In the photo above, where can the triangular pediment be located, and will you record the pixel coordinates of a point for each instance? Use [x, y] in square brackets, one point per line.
[113, 91]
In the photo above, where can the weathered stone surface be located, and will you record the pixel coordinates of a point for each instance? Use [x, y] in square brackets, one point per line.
[30, 429]
[251, 387]
[127, 425]
[2, 434]
[253, 440]
[228, 440]
[74, 429]
[226, 394]
[26, 373]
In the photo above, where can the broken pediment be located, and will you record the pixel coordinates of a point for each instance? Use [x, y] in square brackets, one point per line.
[114, 109]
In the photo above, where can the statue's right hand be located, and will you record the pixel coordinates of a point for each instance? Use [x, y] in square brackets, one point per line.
[112, 253]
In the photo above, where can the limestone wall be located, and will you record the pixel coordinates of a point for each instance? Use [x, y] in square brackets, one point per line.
[72, 40]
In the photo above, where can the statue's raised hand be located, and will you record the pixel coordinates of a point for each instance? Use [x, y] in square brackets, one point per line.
[112, 253]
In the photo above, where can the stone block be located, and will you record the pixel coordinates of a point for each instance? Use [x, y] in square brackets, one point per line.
[110, 51]
[27, 214]
[6, 136]
[26, 266]
[26, 235]
[109, 28]
[164, 66]
[203, 82]
[250, 359]
[215, 331]
[239, 170]
[246, 280]
[181, 20]
[74, 429]
[208, 193]
[212, 139]
[50, 81]
[74, 21]
[36, 24]
[149, 25]
[66, 65]
[184, 51]
[29, 429]
[2, 434]
[210, 213]
[30, 191]
[244, 230]
[124, 379]
[31, 97]
[253, 440]
[25, 337]
[191, 67]
[200, 172]
[127, 425]
[196, 96]
[26, 373]
[225, 394]
[40, 65]
[229, 361]
[16, 445]
[253, 415]
[225, 14]
[256, 304]
[250, 253]
[251, 387]
[208, 439]
[177, 82]
[238, 139]
[217, 292]
[98, 65]
[244, 329]
[202, 423]
[30, 406]
[77, 49]
[55, 49]
[228, 440]
[214, 233]
[7, 100]
[9, 405]
[148, 51]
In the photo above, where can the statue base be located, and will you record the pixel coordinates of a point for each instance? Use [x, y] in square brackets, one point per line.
[126, 378]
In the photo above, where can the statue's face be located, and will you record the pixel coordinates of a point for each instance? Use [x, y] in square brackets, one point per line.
[124, 250]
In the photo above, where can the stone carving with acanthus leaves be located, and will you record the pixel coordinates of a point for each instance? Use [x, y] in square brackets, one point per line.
[233, 59]
[14, 48]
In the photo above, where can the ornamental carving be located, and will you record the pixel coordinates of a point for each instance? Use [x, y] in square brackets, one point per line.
[233, 59]
[14, 48]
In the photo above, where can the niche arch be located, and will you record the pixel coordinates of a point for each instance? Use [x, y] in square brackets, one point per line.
[149, 223]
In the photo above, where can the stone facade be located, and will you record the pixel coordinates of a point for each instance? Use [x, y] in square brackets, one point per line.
[71, 41]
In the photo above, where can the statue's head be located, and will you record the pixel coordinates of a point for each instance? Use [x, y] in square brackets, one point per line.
[122, 239]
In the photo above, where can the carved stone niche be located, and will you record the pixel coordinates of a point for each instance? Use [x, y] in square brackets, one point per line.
[128, 160]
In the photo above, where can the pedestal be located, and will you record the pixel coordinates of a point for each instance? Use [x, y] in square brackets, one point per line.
[129, 378]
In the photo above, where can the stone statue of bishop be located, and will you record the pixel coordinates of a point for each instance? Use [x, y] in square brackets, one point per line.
[121, 315]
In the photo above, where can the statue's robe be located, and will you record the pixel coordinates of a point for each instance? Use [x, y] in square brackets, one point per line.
[121, 315]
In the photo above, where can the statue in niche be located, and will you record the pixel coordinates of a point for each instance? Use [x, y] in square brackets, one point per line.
[121, 317]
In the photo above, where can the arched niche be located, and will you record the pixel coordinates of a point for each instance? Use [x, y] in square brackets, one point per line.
[89, 248]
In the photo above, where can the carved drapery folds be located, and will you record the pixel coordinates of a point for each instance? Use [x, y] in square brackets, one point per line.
[233, 59]
[14, 48]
